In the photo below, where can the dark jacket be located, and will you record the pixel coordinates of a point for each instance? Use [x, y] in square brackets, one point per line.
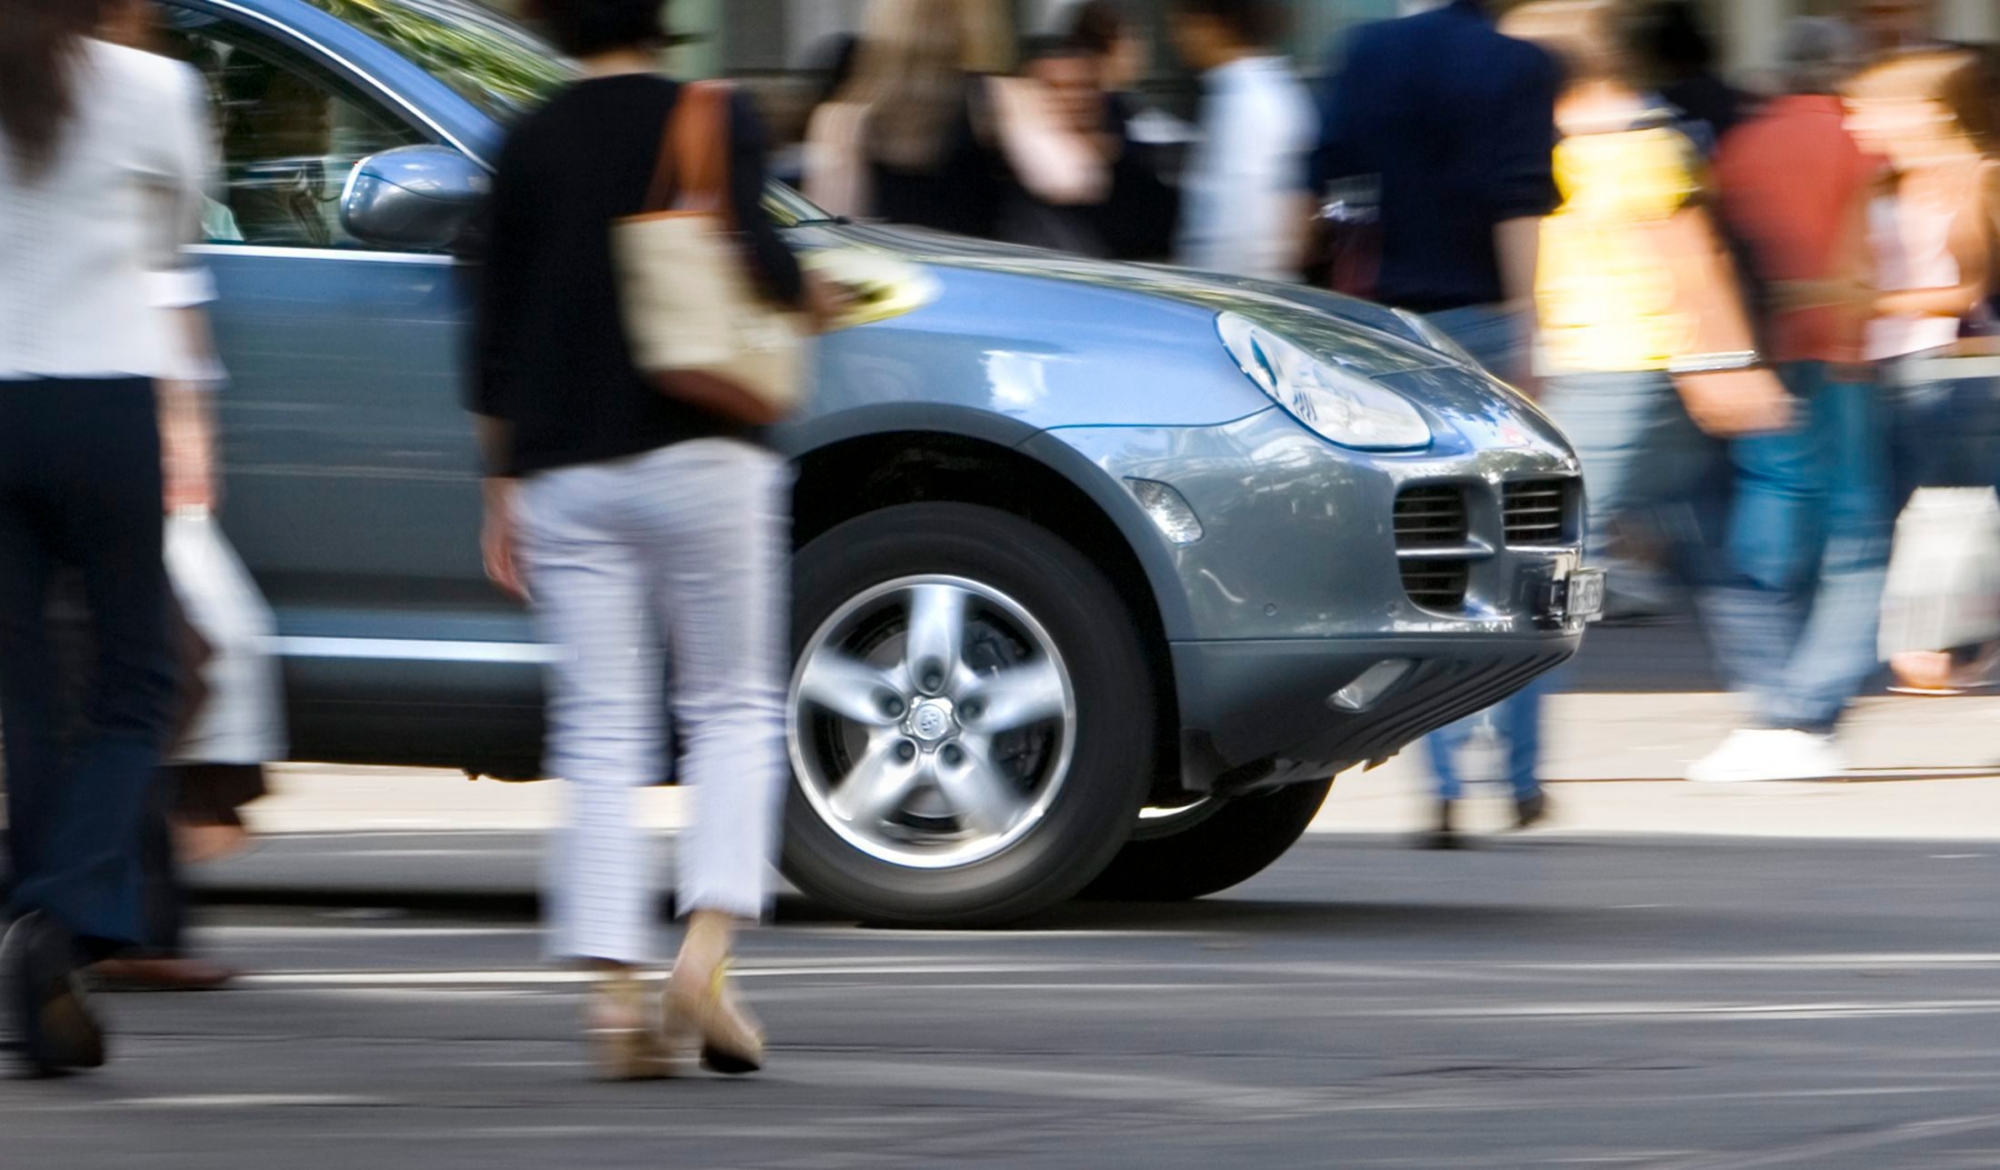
[1458, 122]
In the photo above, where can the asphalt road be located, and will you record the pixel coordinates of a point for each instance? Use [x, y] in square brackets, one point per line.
[1545, 1002]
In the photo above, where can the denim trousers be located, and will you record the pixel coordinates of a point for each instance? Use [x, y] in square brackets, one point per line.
[80, 487]
[1795, 605]
[668, 565]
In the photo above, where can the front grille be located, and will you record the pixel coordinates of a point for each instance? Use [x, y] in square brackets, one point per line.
[1436, 584]
[1428, 519]
[1537, 511]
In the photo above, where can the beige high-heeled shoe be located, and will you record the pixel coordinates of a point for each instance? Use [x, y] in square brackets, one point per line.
[625, 1043]
[703, 1015]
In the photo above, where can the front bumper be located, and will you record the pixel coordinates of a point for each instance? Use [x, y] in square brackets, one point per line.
[1261, 714]
[1304, 578]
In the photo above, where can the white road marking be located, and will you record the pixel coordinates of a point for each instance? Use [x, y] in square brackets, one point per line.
[252, 1101]
[1286, 973]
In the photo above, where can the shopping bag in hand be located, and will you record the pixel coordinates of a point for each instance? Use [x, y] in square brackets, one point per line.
[243, 720]
[1944, 578]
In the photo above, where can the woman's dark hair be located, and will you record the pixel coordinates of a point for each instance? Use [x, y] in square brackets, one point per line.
[1251, 22]
[39, 41]
[584, 28]
[1671, 40]
[1097, 26]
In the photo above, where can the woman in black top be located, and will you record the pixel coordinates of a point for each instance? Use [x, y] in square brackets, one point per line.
[921, 73]
[637, 526]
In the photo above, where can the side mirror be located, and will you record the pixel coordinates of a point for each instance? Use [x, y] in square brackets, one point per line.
[413, 197]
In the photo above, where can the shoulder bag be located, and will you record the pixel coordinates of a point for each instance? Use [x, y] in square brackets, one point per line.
[697, 324]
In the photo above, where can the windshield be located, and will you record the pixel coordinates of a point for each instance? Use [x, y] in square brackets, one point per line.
[486, 58]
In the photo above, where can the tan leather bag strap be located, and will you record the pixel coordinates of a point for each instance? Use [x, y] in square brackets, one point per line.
[694, 153]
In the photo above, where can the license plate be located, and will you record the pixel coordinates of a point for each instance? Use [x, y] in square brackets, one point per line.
[1585, 600]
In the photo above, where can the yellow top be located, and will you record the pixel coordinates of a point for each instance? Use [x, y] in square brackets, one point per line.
[1603, 292]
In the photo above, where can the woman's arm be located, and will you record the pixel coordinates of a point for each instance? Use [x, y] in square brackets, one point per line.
[777, 268]
[1724, 403]
[1054, 162]
[179, 291]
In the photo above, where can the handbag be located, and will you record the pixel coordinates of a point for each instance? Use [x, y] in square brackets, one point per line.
[698, 327]
[243, 720]
[1943, 591]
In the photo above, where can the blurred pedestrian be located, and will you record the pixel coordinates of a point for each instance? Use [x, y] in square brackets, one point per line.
[1105, 30]
[1647, 352]
[1793, 620]
[1245, 200]
[1457, 122]
[1932, 239]
[1066, 76]
[1137, 218]
[932, 132]
[1895, 26]
[1675, 47]
[1934, 243]
[103, 153]
[639, 526]
[223, 733]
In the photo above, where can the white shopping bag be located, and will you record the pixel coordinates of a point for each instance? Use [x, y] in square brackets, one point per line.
[1944, 578]
[243, 721]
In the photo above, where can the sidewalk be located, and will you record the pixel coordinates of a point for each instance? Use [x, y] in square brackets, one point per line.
[1924, 769]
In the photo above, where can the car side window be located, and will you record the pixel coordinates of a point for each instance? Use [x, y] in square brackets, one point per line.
[288, 132]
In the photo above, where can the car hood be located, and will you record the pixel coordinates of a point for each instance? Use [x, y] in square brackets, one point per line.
[1355, 334]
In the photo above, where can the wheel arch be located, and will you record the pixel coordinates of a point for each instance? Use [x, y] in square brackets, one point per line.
[856, 474]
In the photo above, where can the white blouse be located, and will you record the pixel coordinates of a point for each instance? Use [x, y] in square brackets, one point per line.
[86, 245]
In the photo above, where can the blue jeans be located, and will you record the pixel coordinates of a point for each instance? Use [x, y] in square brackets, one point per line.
[1945, 434]
[1795, 609]
[1518, 720]
[1645, 464]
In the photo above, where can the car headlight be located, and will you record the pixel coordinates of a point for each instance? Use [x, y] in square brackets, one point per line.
[1341, 407]
[1437, 338]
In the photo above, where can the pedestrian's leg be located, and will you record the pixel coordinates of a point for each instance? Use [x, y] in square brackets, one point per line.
[1446, 746]
[1758, 603]
[725, 521]
[605, 708]
[29, 690]
[107, 492]
[723, 511]
[1837, 653]
[1520, 720]
[162, 914]
[1614, 422]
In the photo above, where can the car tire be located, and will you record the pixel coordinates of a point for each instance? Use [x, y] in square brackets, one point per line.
[1026, 584]
[1220, 847]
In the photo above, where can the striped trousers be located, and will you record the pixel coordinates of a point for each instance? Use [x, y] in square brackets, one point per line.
[664, 572]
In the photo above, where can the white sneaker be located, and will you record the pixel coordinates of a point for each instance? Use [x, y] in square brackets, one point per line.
[1761, 755]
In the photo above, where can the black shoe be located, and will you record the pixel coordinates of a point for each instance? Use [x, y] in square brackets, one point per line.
[1444, 836]
[1530, 810]
[53, 1019]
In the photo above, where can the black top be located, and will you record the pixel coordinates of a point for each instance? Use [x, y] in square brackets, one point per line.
[552, 357]
[1707, 98]
[1459, 123]
[964, 192]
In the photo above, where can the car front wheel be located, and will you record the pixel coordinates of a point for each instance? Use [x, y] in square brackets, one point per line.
[1209, 846]
[971, 718]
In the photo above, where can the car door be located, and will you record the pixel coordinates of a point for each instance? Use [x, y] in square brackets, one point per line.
[351, 477]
